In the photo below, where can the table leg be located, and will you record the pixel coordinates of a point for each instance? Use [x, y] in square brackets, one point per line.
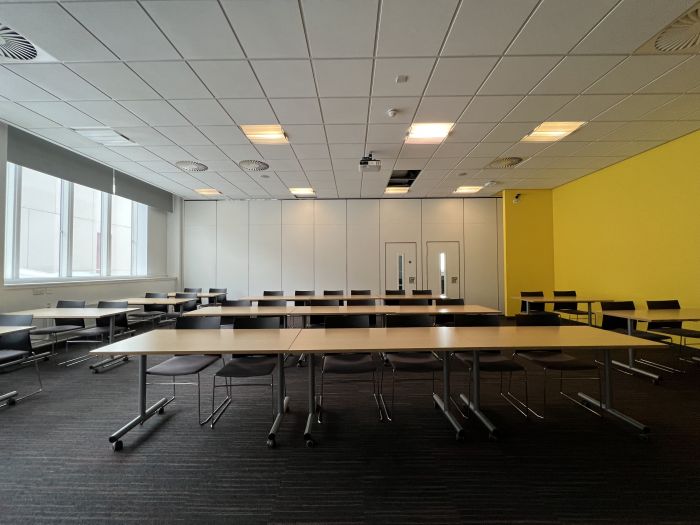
[312, 399]
[630, 365]
[144, 413]
[607, 403]
[474, 403]
[444, 403]
[282, 402]
[113, 360]
[590, 314]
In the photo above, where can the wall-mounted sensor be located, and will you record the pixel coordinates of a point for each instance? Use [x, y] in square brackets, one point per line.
[516, 199]
[392, 112]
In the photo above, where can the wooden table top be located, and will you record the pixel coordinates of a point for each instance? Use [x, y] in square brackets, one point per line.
[682, 314]
[227, 341]
[75, 313]
[241, 311]
[551, 299]
[162, 301]
[337, 297]
[201, 295]
[215, 341]
[247, 311]
[4, 330]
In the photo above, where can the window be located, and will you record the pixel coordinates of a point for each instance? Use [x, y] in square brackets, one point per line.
[55, 229]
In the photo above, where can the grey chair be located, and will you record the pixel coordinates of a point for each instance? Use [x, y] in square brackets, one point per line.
[194, 291]
[410, 362]
[15, 352]
[335, 292]
[359, 301]
[188, 306]
[417, 302]
[350, 363]
[219, 298]
[188, 365]
[245, 367]
[534, 307]
[673, 328]
[447, 319]
[152, 312]
[281, 320]
[61, 326]
[569, 308]
[228, 321]
[393, 302]
[303, 293]
[555, 360]
[493, 361]
[273, 293]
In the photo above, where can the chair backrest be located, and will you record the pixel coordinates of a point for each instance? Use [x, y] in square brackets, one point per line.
[200, 322]
[236, 302]
[222, 294]
[19, 340]
[412, 302]
[393, 302]
[477, 320]
[303, 293]
[564, 305]
[273, 292]
[668, 304]
[537, 319]
[119, 320]
[533, 306]
[163, 308]
[361, 302]
[63, 303]
[448, 302]
[271, 302]
[248, 323]
[360, 292]
[324, 302]
[335, 292]
[189, 305]
[347, 321]
[616, 323]
[192, 290]
[403, 321]
[422, 292]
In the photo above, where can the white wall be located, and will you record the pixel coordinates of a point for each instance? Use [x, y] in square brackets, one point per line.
[251, 246]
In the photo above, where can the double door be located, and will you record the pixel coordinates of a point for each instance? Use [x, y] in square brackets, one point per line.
[443, 267]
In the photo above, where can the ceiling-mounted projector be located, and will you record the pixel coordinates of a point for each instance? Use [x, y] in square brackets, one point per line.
[368, 164]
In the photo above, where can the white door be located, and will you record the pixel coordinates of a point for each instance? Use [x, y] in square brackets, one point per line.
[444, 268]
[400, 266]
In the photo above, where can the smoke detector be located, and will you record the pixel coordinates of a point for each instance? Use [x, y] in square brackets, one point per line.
[682, 36]
[14, 46]
[190, 165]
[253, 165]
[505, 162]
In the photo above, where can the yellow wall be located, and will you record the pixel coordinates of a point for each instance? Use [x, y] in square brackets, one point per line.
[632, 230]
[527, 244]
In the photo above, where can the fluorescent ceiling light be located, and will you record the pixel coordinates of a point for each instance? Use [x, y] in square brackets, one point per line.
[428, 133]
[391, 190]
[468, 189]
[551, 131]
[265, 134]
[208, 192]
[302, 191]
[105, 136]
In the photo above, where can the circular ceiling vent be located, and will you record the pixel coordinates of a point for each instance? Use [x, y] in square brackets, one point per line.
[505, 162]
[14, 46]
[253, 165]
[682, 34]
[190, 165]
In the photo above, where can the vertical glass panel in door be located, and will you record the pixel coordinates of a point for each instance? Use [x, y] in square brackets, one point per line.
[444, 268]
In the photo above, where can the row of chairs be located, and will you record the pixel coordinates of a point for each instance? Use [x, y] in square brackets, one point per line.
[566, 307]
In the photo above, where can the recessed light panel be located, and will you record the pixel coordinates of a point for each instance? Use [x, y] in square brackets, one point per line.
[208, 192]
[396, 190]
[552, 131]
[468, 189]
[428, 133]
[302, 192]
[265, 134]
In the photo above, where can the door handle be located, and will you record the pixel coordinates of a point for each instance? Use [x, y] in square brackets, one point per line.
[454, 280]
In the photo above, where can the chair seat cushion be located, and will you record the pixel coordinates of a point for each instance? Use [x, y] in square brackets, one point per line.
[7, 356]
[349, 363]
[96, 331]
[183, 365]
[58, 329]
[414, 361]
[249, 366]
[558, 361]
[490, 362]
[571, 311]
[680, 332]
[645, 335]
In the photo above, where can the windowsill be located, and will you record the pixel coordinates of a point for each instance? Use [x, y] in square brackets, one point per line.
[84, 282]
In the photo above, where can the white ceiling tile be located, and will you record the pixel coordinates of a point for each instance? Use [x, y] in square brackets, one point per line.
[634, 72]
[184, 135]
[297, 110]
[171, 79]
[343, 78]
[197, 29]
[228, 78]
[592, 131]
[58, 80]
[344, 110]
[386, 133]
[575, 73]
[101, 154]
[471, 163]
[678, 80]
[446, 163]
[62, 113]
[679, 108]
[489, 108]
[241, 152]
[224, 134]
[206, 153]
[205, 112]
[14, 87]
[517, 75]
[169, 153]
[386, 70]
[51, 28]
[486, 28]
[155, 112]
[537, 107]
[109, 20]
[459, 76]
[268, 28]
[410, 164]
[382, 150]
[454, 149]
[340, 29]
[348, 151]
[510, 131]
[440, 109]
[627, 149]
[135, 153]
[312, 151]
[350, 165]
[275, 151]
[634, 106]
[489, 149]
[563, 149]
[222, 165]
[249, 111]
[66, 137]
[108, 112]
[586, 107]
[469, 132]
[418, 151]
[144, 136]
[160, 166]
[115, 79]
[305, 134]
[552, 30]
[631, 24]
[345, 133]
[315, 164]
[285, 78]
[405, 109]
[525, 149]
[413, 27]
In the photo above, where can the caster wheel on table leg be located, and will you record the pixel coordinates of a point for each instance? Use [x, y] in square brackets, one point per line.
[11, 402]
[271, 443]
[459, 436]
[126, 359]
[117, 446]
[161, 410]
[95, 371]
[310, 443]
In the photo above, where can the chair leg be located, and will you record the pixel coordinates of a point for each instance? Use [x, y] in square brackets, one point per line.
[544, 394]
[319, 406]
